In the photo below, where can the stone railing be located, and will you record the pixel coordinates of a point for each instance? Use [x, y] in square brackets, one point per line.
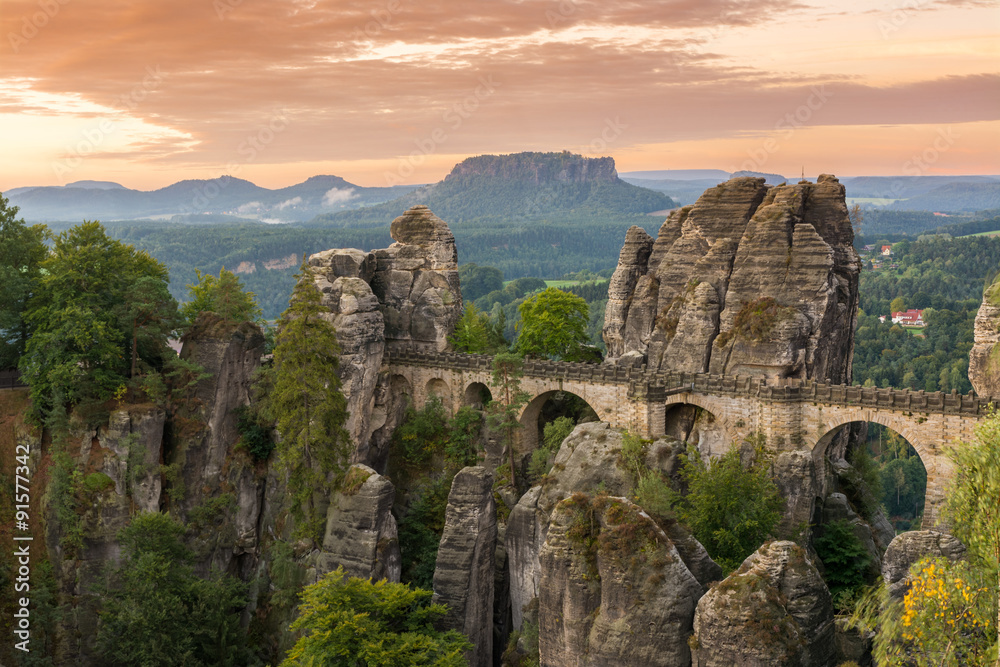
[654, 386]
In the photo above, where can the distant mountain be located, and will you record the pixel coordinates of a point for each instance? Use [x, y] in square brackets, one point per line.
[717, 175]
[769, 179]
[904, 187]
[226, 195]
[519, 186]
[953, 197]
[684, 192]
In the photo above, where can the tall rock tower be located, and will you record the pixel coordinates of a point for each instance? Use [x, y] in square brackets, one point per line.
[750, 280]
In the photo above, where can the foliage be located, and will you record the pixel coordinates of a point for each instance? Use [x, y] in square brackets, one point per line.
[844, 557]
[158, 612]
[552, 438]
[730, 509]
[99, 302]
[225, 296]
[22, 250]
[971, 503]
[478, 280]
[947, 617]
[356, 623]
[864, 482]
[503, 411]
[421, 433]
[255, 433]
[420, 528]
[307, 405]
[553, 325]
[478, 333]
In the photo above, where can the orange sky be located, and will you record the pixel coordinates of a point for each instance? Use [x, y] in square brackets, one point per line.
[396, 91]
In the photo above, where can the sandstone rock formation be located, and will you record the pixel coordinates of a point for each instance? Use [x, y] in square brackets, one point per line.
[614, 590]
[204, 440]
[984, 358]
[360, 533]
[405, 296]
[750, 280]
[587, 461]
[464, 573]
[908, 548]
[774, 610]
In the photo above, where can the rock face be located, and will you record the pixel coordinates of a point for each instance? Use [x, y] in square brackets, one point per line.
[464, 573]
[910, 547]
[774, 610]
[984, 358]
[587, 461]
[750, 280]
[405, 296]
[360, 531]
[203, 453]
[614, 590]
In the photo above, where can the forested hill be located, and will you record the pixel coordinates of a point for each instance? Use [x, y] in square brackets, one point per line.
[520, 186]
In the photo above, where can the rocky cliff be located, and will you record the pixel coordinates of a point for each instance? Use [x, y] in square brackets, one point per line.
[984, 358]
[750, 280]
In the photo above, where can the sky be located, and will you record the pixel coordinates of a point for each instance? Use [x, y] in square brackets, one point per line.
[382, 92]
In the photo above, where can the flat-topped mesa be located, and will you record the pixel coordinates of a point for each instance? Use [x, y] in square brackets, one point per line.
[749, 280]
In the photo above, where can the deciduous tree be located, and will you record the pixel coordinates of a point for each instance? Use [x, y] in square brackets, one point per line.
[22, 250]
[553, 325]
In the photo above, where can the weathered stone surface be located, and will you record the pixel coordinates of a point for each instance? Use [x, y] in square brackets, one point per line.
[853, 645]
[587, 461]
[984, 358]
[774, 610]
[360, 531]
[614, 590]
[416, 282]
[715, 261]
[464, 572]
[795, 476]
[203, 451]
[908, 548]
[632, 263]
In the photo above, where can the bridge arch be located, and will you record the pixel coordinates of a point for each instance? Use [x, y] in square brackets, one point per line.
[531, 413]
[477, 394]
[711, 431]
[936, 465]
[439, 387]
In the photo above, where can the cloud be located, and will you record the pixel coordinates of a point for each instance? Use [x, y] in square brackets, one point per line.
[336, 196]
[294, 201]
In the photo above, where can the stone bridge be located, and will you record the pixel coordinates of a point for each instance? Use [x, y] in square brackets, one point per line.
[792, 414]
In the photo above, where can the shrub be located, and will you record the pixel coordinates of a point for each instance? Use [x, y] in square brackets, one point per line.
[845, 559]
[255, 436]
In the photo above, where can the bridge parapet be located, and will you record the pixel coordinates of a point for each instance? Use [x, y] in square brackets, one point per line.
[652, 386]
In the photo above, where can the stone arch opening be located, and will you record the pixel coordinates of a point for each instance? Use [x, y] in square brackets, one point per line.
[441, 389]
[879, 452]
[697, 425]
[477, 395]
[545, 409]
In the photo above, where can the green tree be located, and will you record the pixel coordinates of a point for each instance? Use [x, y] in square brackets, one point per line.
[85, 316]
[155, 611]
[22, 250]
[845, 559]
[973, 501]
[504, 409]
[730, 509]
[477, 333]
[553, 325]
[478, 280]
[353, 622]
[307, 404]
[224, 296]
[897, 305]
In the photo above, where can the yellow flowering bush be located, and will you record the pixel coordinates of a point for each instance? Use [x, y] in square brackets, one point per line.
[946, 618]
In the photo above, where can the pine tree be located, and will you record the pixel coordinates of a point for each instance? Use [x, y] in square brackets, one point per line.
[307, 404]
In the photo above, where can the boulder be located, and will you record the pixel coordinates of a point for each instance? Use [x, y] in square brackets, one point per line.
[464, 574]
[774, 610]
[614, 590]
[984, 358]
[908, 548]
[360, 533]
